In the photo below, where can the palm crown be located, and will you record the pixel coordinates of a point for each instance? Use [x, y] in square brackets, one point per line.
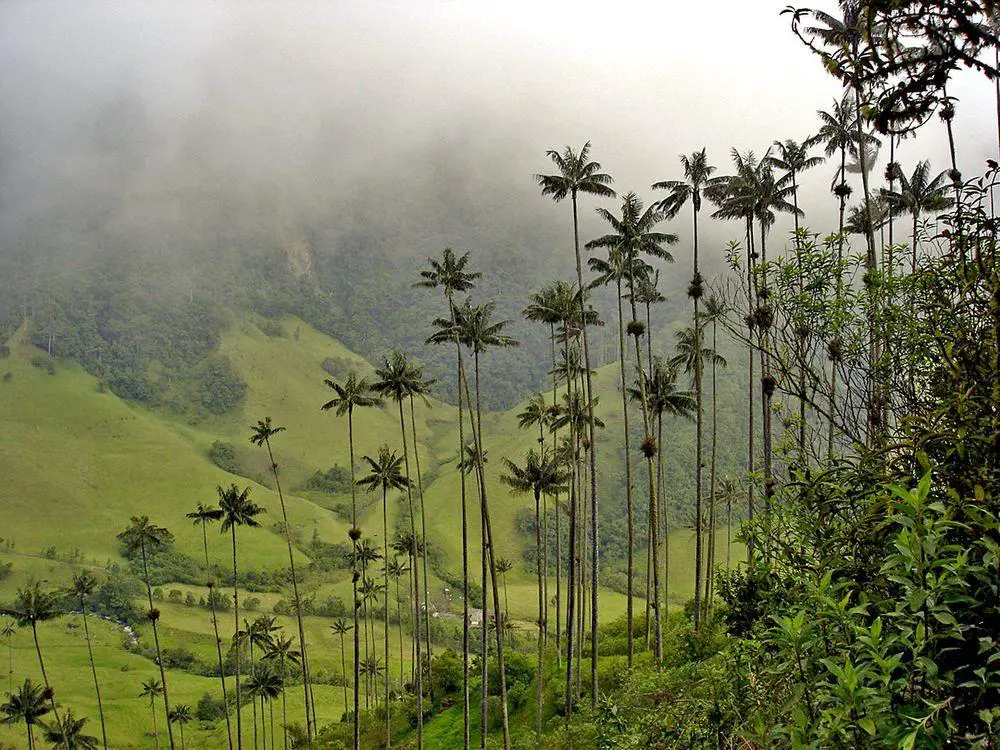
[386, 471]
[237, 507]
[353, 393]
[576, 174]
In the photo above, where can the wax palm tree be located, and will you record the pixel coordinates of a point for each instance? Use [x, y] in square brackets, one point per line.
[734, 195]
[147, 538]
[354, 393]
[538, 412]
[397, 380]
[728, 489]
[341, 628]
[8, 630]
[354, 534]
[577, 174]
[238, 510]
[691, 355]
[265, 685]
[70, 733]
[397, 569]
[838, 136]
[477, 330]
[386, 473]
[715, 309]
[282, 650]
[181, 716]
[260, 435]
[540, 475]
[451, 276]
[918, 193]
[793, 158]
[664, 400]
[697, 173]
[30, 703]
[151, 689]
[33, 605]
[421, 387]
[203, 515]
[633, 235]
[257, 633]
[83, 587]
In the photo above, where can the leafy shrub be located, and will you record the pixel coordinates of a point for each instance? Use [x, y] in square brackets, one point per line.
[133, 386]
[219, 387]
[224, 456]
[41, 361]
[338, 367]
[334, 481]
[210, 708]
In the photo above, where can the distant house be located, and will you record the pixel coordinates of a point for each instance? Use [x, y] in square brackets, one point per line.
[475, 618]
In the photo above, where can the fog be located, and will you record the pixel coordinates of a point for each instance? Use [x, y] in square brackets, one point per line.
[395, 128]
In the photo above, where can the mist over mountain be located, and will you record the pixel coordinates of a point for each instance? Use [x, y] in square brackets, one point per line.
[356, 141]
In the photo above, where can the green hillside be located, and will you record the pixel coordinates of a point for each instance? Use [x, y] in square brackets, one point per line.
[79, 461]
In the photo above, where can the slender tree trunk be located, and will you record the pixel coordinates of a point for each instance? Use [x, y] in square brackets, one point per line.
[423, 554]
[310, 717]
[357, 653]
[750, 384]
[45, 677]
[215, 628]
[156, 642]
[592, 455]
[385, 605]
[664, 603]
[416, 584]
[489, 544]
[284, 705]
[649, 451]
[800, 343]
[465, 542]
[710, 566]
[156, 732]
[31, 738]
[555, 443]
[93, 670]
[628, 477]
[767, 386]
[343, 667]
[350, 443]
[698, 434]
[541, 615]
[239, 656]
[572, 562]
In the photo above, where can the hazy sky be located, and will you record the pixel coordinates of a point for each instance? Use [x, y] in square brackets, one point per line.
[319, 103]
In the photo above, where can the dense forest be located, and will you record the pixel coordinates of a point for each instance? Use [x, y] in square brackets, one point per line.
[815, 420]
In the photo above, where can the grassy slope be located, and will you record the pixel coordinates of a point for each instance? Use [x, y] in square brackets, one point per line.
[114, 460]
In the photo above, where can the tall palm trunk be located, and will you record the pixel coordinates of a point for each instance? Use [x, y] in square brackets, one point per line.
[423, 553]
[750, 381]
[385, 613]
[800, 343]
[239, 655]
[156, 732]
[215, 628]
[153, 617]
[310, 714]
[696, 288]
[284, 706]
[572, 562]
[592, 455]
[555, 441]
[45, 677]
[649, 451]
[357, 648]
[343, 666]
[93, 670]
[767, 385]
[710, 566]
[465, 537]
[541, 615]
[416, 582]
[628, 475]
[492, 558]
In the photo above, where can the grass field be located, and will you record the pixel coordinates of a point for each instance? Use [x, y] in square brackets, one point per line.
[78, 462]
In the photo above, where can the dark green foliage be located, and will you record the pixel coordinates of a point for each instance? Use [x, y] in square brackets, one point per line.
[224, 456]
[5, 570]
[210, 708]
[334, 481]
[218, 386]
